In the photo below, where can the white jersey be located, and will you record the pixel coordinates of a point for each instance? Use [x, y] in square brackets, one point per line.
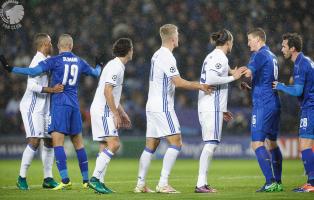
[112, 74]
[161, 88]
[33, 100]
[215, 62]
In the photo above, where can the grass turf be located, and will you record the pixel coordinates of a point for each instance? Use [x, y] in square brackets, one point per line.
[234, 179]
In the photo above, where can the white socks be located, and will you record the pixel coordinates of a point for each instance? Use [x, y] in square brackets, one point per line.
[168, 162]
[27, 158]
[205, 159]
[102, 162]
[145, 160]
[47, 157]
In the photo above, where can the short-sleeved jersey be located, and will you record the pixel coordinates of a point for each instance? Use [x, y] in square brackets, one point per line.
[161, 88]
[35, 101]
[112, 74]
[304, 75]
[65, 68]
[216, 62]
[264, 66]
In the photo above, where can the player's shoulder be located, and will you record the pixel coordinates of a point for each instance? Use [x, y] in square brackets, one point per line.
[216, 56]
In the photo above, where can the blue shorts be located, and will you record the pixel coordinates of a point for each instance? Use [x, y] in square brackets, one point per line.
[265, 124]
[65, 119]
[306, 129]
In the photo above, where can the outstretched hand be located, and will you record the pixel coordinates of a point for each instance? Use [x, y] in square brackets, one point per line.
[58, 88]
[5, 64]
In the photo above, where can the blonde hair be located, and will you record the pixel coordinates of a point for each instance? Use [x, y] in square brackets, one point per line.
[65, 41]
[40, 39]
[167, 31]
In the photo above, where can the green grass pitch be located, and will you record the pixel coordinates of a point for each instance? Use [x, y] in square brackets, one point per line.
[234, 179]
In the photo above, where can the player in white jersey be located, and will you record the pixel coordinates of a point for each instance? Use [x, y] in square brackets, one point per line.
[212, 109]
[107, 114]
[34, 109]
[162, 121]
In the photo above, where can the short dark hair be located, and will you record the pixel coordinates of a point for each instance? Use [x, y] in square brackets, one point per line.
[294, 40]
[39, 39]
[221, 37]
[121, 47]
[259, 32]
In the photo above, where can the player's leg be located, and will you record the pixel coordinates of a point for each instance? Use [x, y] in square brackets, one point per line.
[262, 155]
[33, 130]
[171, 130]
[152, 142]
[61, 160]
[306, 141]
[27, 158]
[47, 157]
[77, 141]
[102, 147]
[144, 163]
[211, 123]
[273, 148]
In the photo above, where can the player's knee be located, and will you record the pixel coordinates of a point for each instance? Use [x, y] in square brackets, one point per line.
[114, 145]
[48, 143]
[34, 143]
[256, 144]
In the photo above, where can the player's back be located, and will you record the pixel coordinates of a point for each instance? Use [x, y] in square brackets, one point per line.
[307, 65]
[161, 88]
[112, 74]
[33, 100]
[66, 68]
[266, 66]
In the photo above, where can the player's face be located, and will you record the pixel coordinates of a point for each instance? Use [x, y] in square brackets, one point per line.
[230, 45]
[285, 49]
[175, 39]
[49, 47]
[130, 54]
[252, 42]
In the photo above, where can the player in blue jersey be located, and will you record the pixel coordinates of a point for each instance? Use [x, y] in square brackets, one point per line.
[303, 88]
[65, 68]
[263, 70]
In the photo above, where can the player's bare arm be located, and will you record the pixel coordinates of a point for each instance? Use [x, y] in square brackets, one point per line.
[191, 85]
[126, 122]
[55, 89]
[112, 107]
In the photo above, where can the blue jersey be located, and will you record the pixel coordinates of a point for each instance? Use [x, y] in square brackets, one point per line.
[264, 67]
[66, 68]
[304, 75]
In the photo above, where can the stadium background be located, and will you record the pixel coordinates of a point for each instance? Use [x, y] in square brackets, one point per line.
[95, 25]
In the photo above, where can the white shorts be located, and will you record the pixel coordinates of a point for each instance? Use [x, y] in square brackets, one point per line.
[35, 124]
[162, 124]
[102, 126]
[211, 123]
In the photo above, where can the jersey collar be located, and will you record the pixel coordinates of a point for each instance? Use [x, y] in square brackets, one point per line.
[265, 47]
[41, 54]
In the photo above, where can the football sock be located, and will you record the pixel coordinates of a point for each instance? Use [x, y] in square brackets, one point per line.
[308, 161]
[264, 163]
[168, 162]
[102, 162]
[83, 163]
[205, 160]
[47, 157]
[61, 161]
[276, 160]
[27, 158]
[144, 164]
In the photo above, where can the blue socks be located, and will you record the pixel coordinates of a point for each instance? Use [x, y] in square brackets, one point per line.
[61, 160]
[83, 163]
[276, 160]
[264, 163]
[308, 161]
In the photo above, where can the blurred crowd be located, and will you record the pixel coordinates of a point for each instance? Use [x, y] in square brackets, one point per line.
[95, 25]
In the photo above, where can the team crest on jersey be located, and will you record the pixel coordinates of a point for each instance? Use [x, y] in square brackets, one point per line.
[114, 77]
[218, 66]
[172, 69]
